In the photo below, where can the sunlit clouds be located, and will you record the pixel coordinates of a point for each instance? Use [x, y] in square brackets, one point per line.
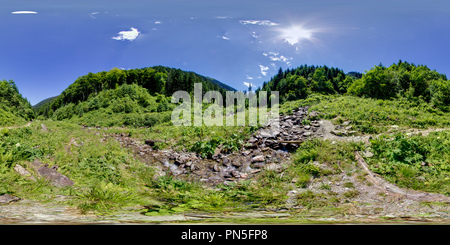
[127, 35]
[264, 69]
[274, 56]
[258, 22]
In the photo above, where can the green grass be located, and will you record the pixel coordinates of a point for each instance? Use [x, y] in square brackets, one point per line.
[417, 162]
[372, 116]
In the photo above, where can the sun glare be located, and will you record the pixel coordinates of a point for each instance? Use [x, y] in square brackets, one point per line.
[295, 34]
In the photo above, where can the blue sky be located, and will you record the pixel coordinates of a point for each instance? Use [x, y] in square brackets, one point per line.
[46, 44]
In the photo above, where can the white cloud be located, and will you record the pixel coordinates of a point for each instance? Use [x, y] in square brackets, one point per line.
[264, 69]
[224, 37]
[258, 22]
[158, 22]
[222, 17]
[273, 56]
[249, 77]
[24, 12]
[255, 36]
[93, 15]
[248, 84]
[281, 58]
[127, 35]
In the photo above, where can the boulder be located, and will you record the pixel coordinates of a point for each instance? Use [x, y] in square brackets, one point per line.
[259, 158]
[55, 178]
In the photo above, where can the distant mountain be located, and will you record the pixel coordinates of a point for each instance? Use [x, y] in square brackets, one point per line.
[43, 102]
[223, 85]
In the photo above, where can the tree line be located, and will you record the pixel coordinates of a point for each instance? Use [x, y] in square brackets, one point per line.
[400, 80]
[298, 83]
[12, 105]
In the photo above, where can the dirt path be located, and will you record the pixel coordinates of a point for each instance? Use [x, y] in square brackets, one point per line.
[13, 127]
[327, 127]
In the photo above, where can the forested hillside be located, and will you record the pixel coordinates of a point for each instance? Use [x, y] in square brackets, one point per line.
[400, 80]
[158, 80]
[14, 109]
[43, 102]
[298, 83]
[404, 80]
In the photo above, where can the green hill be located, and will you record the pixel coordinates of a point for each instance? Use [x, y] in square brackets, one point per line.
[298, 83]
[401, 80]
[124, 97]
[14, 109]
[43, 102]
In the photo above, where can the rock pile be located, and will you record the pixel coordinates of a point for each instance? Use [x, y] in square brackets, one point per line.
[292, 130]
[345, 129]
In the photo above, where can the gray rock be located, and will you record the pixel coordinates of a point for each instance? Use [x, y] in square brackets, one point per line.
[22, 171]
[259, 158]
[245, 153]
[182, 159]
[336, 132]
[269, 133]
[313, 114]
[7, 198]
[352, 132]
[226, 161]
[271, 167]
[367, 154]
[217, 151]
[44, 128]
[236, 162]
[56, 178]
[235, 174]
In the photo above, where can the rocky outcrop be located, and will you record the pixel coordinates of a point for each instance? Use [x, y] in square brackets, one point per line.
[43, 171]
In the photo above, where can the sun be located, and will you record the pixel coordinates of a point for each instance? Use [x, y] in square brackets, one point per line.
[295, 34]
